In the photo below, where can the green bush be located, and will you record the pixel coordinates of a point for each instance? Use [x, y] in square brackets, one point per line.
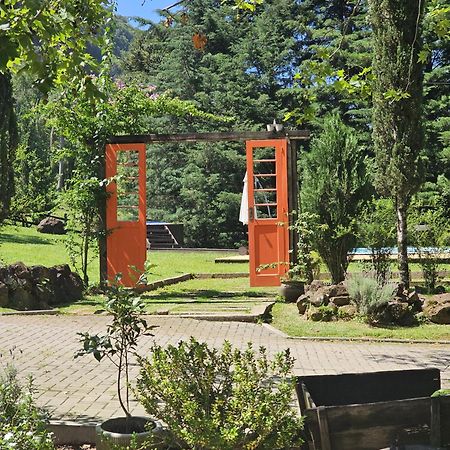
[220, 399]
[369, 294]
[22, 423]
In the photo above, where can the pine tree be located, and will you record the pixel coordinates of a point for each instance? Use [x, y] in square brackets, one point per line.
[245, 67]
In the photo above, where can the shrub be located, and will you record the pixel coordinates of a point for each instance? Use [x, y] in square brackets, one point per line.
[376, 231]
[430, 232]
[220, 399]
[369, 294]
[22, 423]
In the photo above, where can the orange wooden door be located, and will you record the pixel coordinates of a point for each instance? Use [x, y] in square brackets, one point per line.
[126, 212]
[268, 228]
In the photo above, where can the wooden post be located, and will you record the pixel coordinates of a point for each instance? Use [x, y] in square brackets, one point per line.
[435, 425]
[292, 198]
[325, 443]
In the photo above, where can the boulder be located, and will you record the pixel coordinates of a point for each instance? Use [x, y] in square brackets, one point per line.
[314, 286]
[394, 312]
[338, 290]
[37, 287]
[347, 311]
[414, 301]
[51, 225]
[319, 297]
[437, 308]
[321, 314]
[4, 295]
[340, 301]
[302, 304]
[21, 299]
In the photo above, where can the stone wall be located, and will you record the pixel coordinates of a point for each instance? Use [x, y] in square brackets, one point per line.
[38, 287]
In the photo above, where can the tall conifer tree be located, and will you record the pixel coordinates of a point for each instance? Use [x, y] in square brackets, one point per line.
[397, 107]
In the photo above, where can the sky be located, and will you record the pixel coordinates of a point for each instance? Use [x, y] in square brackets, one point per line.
[148, 10]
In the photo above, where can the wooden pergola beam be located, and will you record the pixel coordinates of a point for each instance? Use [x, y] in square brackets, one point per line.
[295, 135]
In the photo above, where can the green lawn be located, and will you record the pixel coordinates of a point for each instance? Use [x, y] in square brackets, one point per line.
[32, 248]
[286, 318]
[206, 295]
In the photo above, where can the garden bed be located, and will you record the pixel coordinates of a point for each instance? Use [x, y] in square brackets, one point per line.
[373, 410]
[285, 317]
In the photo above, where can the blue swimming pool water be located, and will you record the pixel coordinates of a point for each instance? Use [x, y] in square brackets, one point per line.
[394, 250]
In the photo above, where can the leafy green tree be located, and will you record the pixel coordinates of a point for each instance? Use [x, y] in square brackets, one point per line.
[48, 40]
[86, 126]
[333, 188]
[397, 107]
[34, 169]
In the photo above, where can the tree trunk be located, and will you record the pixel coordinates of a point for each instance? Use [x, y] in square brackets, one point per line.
[402, 242]
[8, 143]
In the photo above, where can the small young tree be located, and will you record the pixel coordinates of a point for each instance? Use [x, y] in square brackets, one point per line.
[376, 230]
[80, 199]
[333, 188]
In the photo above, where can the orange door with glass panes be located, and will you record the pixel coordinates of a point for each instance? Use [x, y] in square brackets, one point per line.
[126, 212]
[268, 228]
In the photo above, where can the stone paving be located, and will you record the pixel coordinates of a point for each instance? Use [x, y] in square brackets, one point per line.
[82, 389]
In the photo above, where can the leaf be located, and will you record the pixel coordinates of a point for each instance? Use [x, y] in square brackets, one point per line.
[423, 56]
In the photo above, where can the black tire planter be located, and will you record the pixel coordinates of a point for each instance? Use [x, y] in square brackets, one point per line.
[291, 290]
[120, 430]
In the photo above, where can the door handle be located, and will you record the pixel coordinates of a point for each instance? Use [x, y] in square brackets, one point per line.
[251, 213]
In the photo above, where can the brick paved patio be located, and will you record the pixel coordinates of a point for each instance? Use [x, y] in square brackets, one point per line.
[83, 389]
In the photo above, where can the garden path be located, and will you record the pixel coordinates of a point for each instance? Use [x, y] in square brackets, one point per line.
[83, 389]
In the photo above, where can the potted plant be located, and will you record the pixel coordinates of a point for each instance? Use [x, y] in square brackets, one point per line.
[292, 284]
[119, 346]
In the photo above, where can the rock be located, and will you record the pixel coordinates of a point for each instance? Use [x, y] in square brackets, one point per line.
[21, 299]
[51, 225]
[400, 290]
[394, 312]
[302, 304]
[400, 312]
[439, 289]
[314, 286]
[37, 287]
[347, 311]
[338, 290]
[340, 301]
[321, 314]
[321, 296]
[4, 295]
[437, 308]
[414, 301]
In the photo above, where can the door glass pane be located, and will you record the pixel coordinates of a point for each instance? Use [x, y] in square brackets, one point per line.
[127, 185]
[264, 183]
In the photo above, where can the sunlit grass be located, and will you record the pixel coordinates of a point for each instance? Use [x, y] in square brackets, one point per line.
[287, 319]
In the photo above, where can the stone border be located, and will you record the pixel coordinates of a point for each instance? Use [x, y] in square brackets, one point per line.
[258, 313]
[354, 339]
[189, 276]
[67, 432]
[225, 276]
[37, 312]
